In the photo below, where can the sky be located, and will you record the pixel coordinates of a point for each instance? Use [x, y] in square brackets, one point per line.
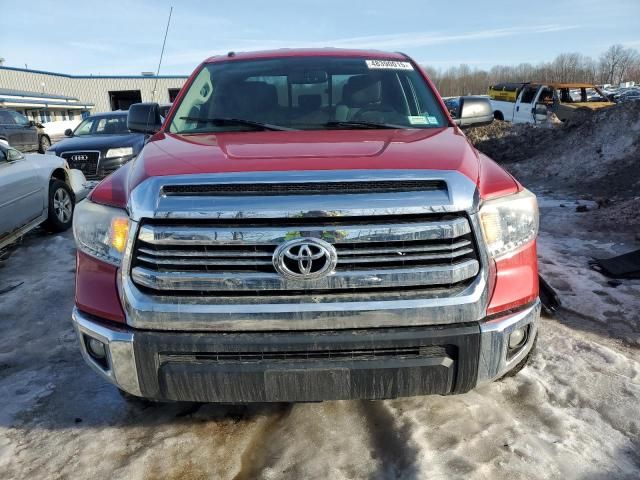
[119, 37]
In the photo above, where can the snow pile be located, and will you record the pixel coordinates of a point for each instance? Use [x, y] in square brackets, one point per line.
[572, 413]
[596, 157]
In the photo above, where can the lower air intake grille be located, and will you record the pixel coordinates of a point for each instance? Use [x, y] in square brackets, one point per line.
[350, 354]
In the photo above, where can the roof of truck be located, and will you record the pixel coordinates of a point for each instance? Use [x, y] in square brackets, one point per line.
[309, 52]
[566, 85]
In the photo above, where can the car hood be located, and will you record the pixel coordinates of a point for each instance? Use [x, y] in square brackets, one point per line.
[589, 105]
[98, 142]
[437, 149]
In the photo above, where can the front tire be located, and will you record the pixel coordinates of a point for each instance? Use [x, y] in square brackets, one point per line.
[43, 144]
[61, 206]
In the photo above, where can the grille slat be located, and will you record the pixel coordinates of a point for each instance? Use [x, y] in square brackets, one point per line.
[406, 258]
[202, 261]
[401, 249]
[199, 253]
[231, 281]
[199, 235]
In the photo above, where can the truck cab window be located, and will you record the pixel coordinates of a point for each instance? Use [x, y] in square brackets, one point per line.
[528, 94]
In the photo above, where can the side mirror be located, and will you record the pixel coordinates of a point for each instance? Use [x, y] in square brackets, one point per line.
[144, 118]
[474, 111]
[14, 155]
[32, 123]
[68, 132]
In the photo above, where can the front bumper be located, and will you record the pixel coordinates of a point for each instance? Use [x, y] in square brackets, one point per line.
[79, 184]
[107, 166]
[307, 365]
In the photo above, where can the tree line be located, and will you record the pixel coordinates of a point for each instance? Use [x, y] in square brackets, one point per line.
[617, 64]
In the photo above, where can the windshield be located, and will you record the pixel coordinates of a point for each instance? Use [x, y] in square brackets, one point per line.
[310, 93]
[106, 125]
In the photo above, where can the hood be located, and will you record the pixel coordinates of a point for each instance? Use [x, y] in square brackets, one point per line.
[99, 142]
[589, 105]
[437, 149]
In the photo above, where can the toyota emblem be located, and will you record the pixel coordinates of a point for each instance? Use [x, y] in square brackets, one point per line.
[305, 259]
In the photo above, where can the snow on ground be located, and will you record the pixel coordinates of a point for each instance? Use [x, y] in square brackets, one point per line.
[573, 413]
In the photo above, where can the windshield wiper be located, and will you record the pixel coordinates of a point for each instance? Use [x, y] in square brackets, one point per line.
[237, 121]
[361, 124]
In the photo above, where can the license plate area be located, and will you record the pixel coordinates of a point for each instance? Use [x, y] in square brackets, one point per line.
[372, 379]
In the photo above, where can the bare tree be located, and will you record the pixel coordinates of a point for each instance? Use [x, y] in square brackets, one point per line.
[616, 62]
[615, 65]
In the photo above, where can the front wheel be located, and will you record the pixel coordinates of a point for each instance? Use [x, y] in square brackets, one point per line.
[44, 144]
[61, 205]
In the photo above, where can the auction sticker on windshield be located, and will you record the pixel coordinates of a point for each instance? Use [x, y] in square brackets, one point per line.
[388, 65]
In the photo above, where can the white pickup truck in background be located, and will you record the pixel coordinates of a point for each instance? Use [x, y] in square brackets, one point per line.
[532, 102]
[55, 130]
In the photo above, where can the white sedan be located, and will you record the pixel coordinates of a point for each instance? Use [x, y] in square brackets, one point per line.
[36, 189]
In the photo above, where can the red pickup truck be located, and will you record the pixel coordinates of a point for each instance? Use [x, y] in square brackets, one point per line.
[306, 225]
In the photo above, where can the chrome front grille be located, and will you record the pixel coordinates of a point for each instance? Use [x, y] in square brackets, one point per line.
[234, 257]
[86, 161]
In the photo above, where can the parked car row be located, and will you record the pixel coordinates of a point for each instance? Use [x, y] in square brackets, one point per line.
[97, 146]
[43, 189]
[36, 190]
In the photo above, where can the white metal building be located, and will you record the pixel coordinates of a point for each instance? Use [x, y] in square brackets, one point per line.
[48, 96]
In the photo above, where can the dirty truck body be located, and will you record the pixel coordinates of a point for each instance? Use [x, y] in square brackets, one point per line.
[306, 225]
[530, 102]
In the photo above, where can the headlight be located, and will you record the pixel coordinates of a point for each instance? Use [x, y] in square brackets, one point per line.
[509, 222]
[101, 231]
[119, 152]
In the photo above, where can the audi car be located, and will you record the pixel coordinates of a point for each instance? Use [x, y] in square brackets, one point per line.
[99, 145]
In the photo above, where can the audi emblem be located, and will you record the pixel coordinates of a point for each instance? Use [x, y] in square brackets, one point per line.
[79, 158]
[305, 259]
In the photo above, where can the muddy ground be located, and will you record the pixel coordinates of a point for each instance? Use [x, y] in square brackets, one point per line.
[573, 413]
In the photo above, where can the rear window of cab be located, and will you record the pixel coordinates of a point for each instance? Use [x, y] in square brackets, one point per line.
[308, 93]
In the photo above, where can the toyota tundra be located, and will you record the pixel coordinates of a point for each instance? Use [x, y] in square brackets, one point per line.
[306, 225]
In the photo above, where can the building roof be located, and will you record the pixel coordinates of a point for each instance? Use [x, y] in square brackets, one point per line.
[8, 102]
[115, 113]
[8, 92]
[25, 99]
[44, 72]
[311, 52]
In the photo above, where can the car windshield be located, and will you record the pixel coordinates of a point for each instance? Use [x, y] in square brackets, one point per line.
[105, 125]
[307, 93]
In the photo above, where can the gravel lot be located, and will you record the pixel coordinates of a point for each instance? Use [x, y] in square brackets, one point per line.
[573, 413]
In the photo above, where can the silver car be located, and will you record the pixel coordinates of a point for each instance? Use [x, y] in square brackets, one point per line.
[36, 189]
